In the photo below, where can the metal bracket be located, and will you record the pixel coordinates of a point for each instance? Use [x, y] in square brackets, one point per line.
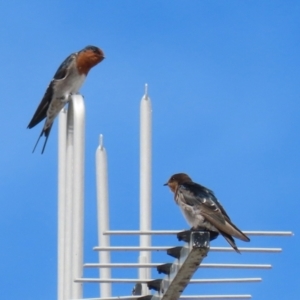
[180, 272]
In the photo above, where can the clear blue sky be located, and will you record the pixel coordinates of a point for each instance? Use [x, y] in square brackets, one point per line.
[224, 82]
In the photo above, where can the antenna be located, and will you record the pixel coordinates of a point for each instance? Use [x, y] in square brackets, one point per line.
[188, 257]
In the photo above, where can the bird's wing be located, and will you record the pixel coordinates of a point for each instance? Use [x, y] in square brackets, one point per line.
[61, 73]
[64, 68]
[201, 200]
[41, 112]
[206, 204]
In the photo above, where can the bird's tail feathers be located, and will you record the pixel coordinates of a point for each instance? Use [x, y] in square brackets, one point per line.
[38, 140]
[231, 241]
[45, 132]
[225, 225]
[237, 233]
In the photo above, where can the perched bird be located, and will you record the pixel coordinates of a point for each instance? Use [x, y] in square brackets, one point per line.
[202, 210]
[67, 81]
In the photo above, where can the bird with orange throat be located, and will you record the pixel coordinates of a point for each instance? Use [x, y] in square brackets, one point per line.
[67, 81]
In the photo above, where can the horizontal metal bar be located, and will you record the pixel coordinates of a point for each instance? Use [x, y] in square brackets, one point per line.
[263, 250]
[216, 297]
[174, 232]
[190, 297]
[237, 266]
[154, 265]
[128, 280]
[165, 248]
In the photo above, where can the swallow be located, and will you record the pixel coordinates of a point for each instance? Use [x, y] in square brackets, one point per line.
[67, 81]
[202, 210]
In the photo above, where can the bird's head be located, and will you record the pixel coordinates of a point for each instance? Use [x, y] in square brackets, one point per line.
[176, 180]
[88, 58]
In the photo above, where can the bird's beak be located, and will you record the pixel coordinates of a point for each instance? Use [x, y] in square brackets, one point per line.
[165, 184]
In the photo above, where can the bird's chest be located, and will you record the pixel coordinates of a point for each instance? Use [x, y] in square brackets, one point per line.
[61, 93]
[70, 85]
[192, 214]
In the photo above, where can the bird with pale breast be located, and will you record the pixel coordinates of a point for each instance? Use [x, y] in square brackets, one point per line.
[202, 210]
[67, 81]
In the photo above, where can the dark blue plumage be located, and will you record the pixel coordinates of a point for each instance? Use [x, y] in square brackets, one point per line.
[201, 208]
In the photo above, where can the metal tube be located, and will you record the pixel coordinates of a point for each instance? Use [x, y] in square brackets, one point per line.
[145, 183]
[69, 207]
[77, 104]
[193, 281]
[103, 214]
[165, 248]
[62, 128]
[216, 297]
[154, 265]
[190, 297]
[174, 232]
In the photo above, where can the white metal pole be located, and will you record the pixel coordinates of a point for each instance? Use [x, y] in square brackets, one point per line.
[103, 215]
[155, 265]
[174, 232]
[194, 281]
[165, 248]
[145, 183]
[191, 297]
[72, 189]
[77, 104]
[68, 207]
[62, 131]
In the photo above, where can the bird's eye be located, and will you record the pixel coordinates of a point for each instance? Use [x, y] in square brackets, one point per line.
[96, 50]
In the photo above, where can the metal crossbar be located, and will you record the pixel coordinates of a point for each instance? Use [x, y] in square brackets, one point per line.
[155, 265]
[165, 248]
[174, 232]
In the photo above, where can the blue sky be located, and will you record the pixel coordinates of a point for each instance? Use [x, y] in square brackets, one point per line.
[224, 83]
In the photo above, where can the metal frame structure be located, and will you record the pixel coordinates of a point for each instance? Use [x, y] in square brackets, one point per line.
[70, 225]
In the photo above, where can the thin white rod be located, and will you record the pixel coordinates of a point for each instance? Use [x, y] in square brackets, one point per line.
[62, 130]
[227, 249]
[68, 279]
[164, 248]
[77, 104]
[174, 232]
[145, 182]
[154, 265]
[236, 266]
[103, 214]
[127, 280]
[190, 297]
[216, 297]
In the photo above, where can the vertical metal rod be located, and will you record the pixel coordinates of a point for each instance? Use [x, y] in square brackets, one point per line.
[71, 195]
[145, 184]
[62, 130]
[77, 104]
[103, 215]
[69, 207]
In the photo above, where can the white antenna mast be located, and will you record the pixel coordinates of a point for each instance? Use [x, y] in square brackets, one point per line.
[188, 258]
